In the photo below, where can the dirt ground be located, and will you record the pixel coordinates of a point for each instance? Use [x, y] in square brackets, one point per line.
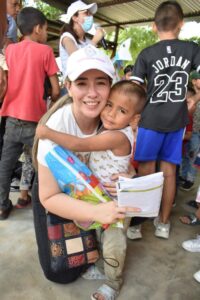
[156, 269]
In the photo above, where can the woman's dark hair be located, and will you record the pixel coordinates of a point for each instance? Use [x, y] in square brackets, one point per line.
[69, 28]
[28, 18]
[168, 15]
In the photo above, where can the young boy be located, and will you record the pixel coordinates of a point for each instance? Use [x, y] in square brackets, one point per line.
[111, 151]
[166, 66]
[28, 62]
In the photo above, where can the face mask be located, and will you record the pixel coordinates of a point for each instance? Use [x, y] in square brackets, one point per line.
[88, 22]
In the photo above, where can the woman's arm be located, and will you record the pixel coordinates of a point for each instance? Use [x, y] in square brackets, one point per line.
[111, 140]
[69, 45]
[64, 206]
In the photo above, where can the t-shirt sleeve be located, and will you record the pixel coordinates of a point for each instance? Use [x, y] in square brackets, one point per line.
[69, 35]
[44, 146]
[140, 69]
[50, 64]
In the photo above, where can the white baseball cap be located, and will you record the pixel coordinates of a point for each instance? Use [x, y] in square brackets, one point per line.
[77, 6]
[88, 58]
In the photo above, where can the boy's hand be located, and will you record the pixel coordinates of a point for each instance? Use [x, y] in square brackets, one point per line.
[41, 131]
[111, 186]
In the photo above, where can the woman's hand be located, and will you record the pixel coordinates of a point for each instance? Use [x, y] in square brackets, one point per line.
[100, 33]
[108, 213]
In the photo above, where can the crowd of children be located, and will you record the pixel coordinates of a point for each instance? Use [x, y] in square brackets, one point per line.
[155, 96]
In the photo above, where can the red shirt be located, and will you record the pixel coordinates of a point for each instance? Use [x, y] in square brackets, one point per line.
[28, 63]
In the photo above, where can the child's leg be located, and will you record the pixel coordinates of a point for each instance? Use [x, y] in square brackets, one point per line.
[11, 151]
[169, 190]
[149, 143]
[25, 183]
[146, 168]
[114, 252]
[194, 149]
[185, 161]
[170, 156]
[27, 174]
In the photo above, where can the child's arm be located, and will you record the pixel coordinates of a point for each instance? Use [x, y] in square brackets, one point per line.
[3, 84]
[111, 140]
[192, 102]
[55, 89]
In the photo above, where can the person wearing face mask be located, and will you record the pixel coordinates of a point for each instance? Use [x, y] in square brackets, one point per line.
[78, 21]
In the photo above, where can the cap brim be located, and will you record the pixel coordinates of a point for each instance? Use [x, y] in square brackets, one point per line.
[92, 8]
[89, 65]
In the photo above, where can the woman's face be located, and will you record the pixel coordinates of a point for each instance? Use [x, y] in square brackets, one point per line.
[90, 93]
[82, 14]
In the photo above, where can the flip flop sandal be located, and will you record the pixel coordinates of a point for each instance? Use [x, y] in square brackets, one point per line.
[193, 220]
[106, 291]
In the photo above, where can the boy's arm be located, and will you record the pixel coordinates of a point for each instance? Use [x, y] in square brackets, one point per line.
[3, 76]
[55, 88]
[192, 102]
[107, 141]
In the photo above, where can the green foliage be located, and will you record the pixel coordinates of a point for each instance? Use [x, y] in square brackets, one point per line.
[195, 39]
[50, 12]
[141, 37]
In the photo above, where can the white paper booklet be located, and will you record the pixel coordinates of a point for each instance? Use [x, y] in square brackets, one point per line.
[144, 192]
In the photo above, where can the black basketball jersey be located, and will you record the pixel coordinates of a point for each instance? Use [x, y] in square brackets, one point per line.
[166, 67]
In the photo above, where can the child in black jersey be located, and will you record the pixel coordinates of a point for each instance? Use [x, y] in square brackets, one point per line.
[166, 67]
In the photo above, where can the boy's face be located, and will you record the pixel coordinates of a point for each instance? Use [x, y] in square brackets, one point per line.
[119, 111]
[13, 8]
[42, 34]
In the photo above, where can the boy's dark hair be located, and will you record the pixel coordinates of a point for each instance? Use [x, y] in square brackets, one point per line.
[28, 18]
[127, 69]
[168, 15]
[69, 28]
[129, 88]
